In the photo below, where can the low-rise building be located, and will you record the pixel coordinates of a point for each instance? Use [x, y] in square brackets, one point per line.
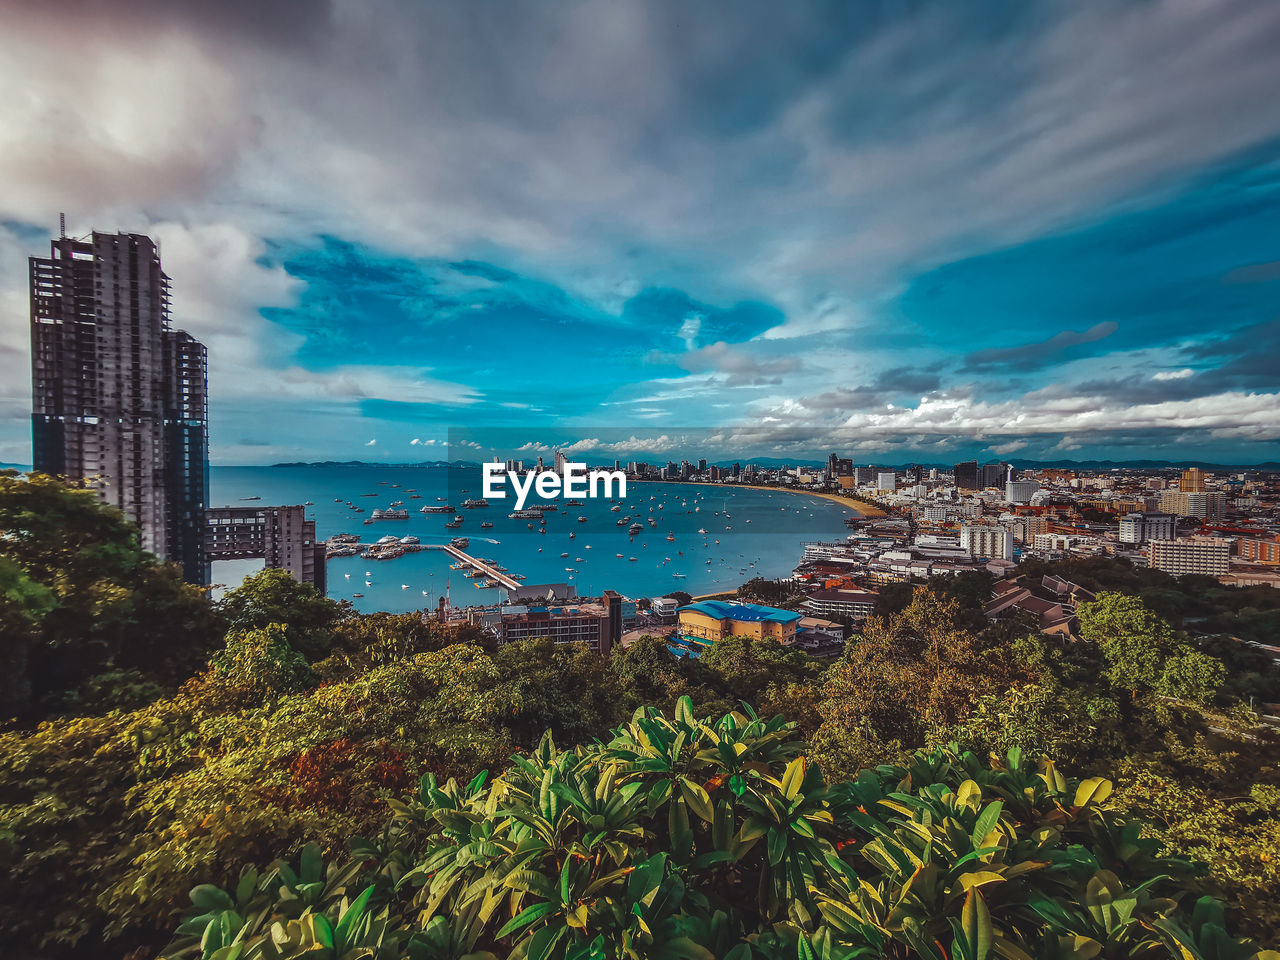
[1250, 550]
[597, 623]
[845, 602]
[710, 620]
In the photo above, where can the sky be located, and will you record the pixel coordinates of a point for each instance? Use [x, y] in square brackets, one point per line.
[903, 231]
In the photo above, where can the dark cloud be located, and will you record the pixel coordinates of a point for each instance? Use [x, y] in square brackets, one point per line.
[1034, 356]
[737, 366]
[1254, 273]
[888, 385]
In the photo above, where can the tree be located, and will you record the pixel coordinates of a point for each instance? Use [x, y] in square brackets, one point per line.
[1143, 654]
[911, 677]
[566, 688]
[274, 596]
[745, 667]
[79, 596]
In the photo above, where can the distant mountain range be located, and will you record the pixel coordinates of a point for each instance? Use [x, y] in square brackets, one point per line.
[365, 463]
[775, 462]
[1138, 465]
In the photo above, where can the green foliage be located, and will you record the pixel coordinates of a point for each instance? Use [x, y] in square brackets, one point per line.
[774, 593]
[106, 821]
[273, 596]
[696, 839]
[561, 687]
[1142, 653]
[262, 662]
[80, 597]
[1249, 613]
[911, 677]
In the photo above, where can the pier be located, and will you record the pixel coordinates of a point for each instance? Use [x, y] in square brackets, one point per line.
[475, 564]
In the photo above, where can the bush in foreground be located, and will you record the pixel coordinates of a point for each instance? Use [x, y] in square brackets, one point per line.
[681, 838]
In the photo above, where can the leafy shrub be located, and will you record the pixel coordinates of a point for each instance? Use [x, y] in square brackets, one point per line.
[687, 838]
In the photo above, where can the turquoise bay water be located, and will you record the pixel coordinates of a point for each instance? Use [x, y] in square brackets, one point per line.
[759, 533]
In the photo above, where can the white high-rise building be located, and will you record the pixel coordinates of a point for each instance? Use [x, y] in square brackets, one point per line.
[1020, 491]
[886, 481]
[1141, 527]
[987, 541]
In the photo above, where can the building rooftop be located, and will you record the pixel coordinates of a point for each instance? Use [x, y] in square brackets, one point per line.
[742, 612]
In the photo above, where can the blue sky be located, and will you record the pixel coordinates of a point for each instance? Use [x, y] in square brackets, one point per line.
[901, 231]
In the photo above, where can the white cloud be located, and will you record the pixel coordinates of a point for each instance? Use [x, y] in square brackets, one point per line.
[371, 443]
[1003, 449]
[1173, 374]
[689, 330]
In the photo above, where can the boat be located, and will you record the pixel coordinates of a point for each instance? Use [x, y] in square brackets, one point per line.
[308, 504]
[524, 514]
[632, 559]
[410, 541]
[389, 514]
[701, 530]
[454, 524]
[486, 525]
[563, 555]
[572, 535]
[622, 521]
[443, 508]
[671, 537]
[460, 543]
[475, 502]
[615, 509]
[634, 529]
[618, 555]
[574, 503]
[357, 595]
[250, 498]
[338, 500]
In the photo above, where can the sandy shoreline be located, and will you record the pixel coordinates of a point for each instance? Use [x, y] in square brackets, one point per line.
[860, 507]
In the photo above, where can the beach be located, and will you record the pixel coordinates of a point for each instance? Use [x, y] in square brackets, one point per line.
[861, 506]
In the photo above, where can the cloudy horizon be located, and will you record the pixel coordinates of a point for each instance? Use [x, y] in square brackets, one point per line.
[1045, 231]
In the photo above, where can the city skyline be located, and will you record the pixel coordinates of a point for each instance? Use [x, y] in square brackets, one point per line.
[953, 235]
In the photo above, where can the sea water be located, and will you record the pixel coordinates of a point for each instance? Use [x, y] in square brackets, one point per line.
[749, 533]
